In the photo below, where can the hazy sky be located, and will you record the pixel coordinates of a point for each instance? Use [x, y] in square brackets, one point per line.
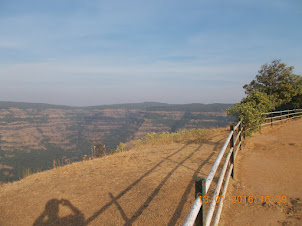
[104, 52]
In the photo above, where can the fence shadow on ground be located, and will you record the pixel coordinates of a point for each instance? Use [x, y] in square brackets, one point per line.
[184, 198]
[129, 221]
[77, 218]
[122, 193]
[157, 189]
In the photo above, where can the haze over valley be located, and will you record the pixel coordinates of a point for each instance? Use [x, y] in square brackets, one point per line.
[33, 135]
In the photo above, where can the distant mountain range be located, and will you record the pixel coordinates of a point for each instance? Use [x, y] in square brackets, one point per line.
[32, 135]
[196, 107]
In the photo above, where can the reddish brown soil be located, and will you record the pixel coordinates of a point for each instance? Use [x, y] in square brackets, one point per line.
[269, 165]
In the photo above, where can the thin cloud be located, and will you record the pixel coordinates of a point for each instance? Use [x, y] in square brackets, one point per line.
[142, 51]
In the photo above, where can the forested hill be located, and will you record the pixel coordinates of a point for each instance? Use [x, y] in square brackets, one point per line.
[32, 135]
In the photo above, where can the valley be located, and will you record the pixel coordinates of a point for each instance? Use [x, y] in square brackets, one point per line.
[33, 135]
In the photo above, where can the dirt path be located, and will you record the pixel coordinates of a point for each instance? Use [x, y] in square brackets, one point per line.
[269, 169]
[154, 186]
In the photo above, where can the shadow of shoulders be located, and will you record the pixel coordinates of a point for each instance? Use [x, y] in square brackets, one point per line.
[50, 216]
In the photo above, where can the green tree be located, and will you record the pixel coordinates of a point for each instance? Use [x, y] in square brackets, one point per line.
[250, 108]
[278, 81]
[275, 86]
[297, 101]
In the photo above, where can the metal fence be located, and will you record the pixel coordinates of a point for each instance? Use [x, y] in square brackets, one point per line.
[198, 213]
[279, 116]
[203, 210]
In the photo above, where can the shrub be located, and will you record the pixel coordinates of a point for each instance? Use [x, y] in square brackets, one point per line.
[250, 108]
[121, 147]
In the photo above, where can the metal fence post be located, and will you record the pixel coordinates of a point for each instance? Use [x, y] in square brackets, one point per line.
[233, 154]
[200, 190]
[97, 153]
[294, 113]
[240, 136]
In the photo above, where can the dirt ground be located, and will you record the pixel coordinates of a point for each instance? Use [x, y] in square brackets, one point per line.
[153, 186]
[269, 172]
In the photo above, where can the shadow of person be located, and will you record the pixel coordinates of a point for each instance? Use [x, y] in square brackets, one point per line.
[50, 216]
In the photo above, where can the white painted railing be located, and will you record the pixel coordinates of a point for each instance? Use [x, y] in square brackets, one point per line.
[199, 204]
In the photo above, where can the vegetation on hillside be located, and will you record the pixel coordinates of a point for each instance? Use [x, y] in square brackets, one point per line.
[181, 136]
[275, 87]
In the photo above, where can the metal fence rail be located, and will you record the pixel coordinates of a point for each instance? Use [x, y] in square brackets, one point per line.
[233, 142]
[279, 116]
[198, 213]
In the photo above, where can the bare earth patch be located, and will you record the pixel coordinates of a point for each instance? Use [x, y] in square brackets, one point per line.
[269, 165]
[153, 186]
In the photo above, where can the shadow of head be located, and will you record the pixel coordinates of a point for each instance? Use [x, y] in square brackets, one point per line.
[51, 214]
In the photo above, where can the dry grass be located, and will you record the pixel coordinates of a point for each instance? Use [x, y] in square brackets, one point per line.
[164, 138]
[151, 139]
[27, 172]
[145, 186]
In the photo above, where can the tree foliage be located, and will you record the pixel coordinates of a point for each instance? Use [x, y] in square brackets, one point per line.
[297, 101]
[250, 108]
[276, 80]
[274, 85]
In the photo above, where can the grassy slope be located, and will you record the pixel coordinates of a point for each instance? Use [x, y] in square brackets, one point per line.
[148, 186]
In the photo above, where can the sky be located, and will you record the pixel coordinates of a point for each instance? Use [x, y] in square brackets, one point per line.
[84, 53]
